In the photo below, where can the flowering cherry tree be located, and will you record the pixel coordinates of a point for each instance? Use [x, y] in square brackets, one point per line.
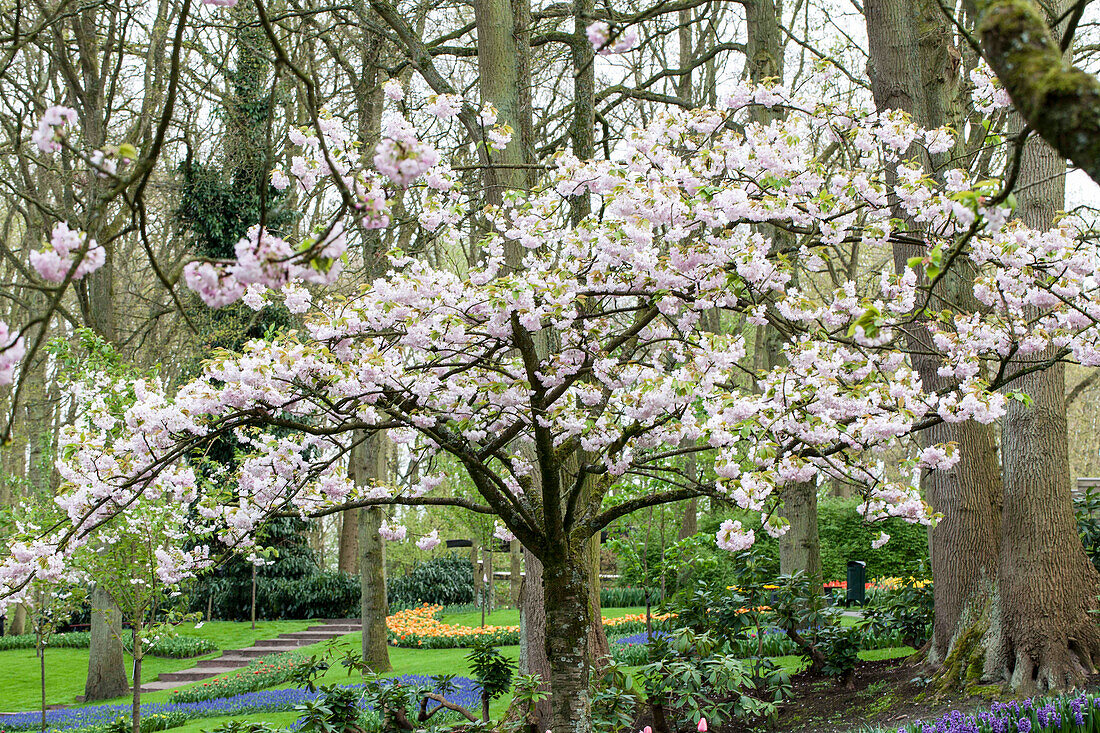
[571, 361]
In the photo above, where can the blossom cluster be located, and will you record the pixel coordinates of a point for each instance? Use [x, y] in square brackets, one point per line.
[68, 247]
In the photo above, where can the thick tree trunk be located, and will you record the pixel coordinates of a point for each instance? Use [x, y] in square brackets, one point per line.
[912, 69]
[800, 547]
[532, 623]
[106, 664]
[965, 543]
[373, 603]
[1047, 586]
[566, 587]
[368, 466]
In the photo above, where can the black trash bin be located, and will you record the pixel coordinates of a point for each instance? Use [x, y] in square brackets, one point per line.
[857, 583]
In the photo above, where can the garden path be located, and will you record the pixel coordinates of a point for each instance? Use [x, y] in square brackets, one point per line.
[234, 659]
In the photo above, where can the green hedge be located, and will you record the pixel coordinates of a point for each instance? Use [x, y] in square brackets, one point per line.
[843, 533]
[324, 594]
[447, 580]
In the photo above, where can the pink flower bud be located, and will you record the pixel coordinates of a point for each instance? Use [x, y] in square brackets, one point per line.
[702, 727]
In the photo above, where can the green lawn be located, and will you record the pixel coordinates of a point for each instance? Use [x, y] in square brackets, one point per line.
[66, 669]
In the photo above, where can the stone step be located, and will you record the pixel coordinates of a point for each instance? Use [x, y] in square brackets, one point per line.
[226, 660]
[283, 642]
[254, 652]
[313, 636]
[193, 675]
[342, 628]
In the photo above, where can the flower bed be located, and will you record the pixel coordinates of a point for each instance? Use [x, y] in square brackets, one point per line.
[1071, 714]
[176, 647]
[421, 628]
[274, 669]
[92, 718]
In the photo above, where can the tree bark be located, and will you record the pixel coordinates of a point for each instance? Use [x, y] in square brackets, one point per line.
[1047, 586]
[515, 572]
[17, 624]
[532, 623]
[135, 708]
[106, 664]
[568, 622]
[369, 466]
[348, 560]
[911, 70]
[800, 547]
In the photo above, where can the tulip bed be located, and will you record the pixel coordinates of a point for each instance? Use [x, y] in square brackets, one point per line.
[273, 669]
[421, 628]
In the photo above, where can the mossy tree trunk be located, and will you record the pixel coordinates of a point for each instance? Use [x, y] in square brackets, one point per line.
[1059, 101]
[1012, 585]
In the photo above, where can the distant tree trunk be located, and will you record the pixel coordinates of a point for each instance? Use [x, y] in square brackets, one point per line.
[349, 542]
[17, 623]
[368, 466]
[800, 547]
[515, 572]
[106, 664]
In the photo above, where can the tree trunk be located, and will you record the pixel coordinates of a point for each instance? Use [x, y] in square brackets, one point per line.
[800, 547]
[348, 561]
[532, 638]
[568, 621]
[42, 677]
[106, 664]
[17, 624]
[135, 710]
[912, 70]
[515, 572]
[1047, 586]
[369, 465]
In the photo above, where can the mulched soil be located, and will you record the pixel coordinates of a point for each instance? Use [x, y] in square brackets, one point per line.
[884, 694]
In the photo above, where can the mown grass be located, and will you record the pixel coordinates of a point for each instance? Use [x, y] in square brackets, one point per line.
[67, 669]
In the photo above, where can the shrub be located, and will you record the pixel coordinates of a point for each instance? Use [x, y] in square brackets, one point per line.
[905, 612]
[1087, 508]
[447, 580]
[326, 594]
[273, 669]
